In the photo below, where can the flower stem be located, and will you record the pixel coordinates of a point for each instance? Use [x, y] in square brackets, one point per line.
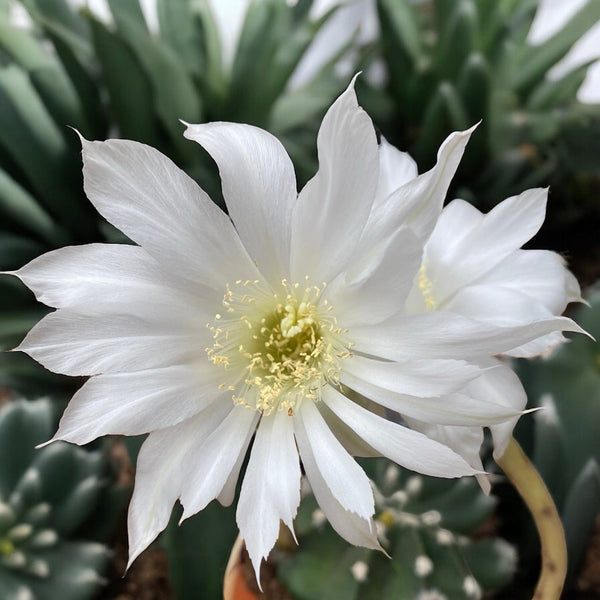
[524, 476]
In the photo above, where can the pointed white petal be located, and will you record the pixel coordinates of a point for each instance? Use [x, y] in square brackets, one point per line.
[353, 444]
[160, 477]
[344, 477]
[395, 169]
[503, 230]
[539, 274]
[77, 344]
[452, 409]
[333, 207]
[259, 186]
[441, 334]
[210, 461]
[500, 385]
[139, 402]
[415, 377]
[374, 287]
[465, 441]
[271, 488]
[497, 305]
[353, 528]
[99, 277]
[142, 193]
[410, 449]
[418, 202]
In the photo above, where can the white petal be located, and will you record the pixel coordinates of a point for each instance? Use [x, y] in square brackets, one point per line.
[500, 385]
[376, 284]
[98, 277]
[506, 307]
[500, 232]
[139, 402]
[415, 377]
[271, 488]
[333, 207]
[497, 305]
[259, 186]
[465, 441]
[395, 169]
[343, 476]
[451, 409]
[142, 193]
[353, 444]
[77, 344]
[160, 475]
[418, 203]
[210, 461]
[539, 274]
[441, 334]
[353, 528]
[410, 449]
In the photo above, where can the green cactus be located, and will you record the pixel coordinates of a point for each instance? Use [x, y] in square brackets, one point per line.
[45, 497]
[424, 524]
[124, 81]
[562, 437]
[452, 64]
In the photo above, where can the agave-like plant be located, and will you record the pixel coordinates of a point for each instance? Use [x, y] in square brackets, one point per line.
[121, 79]
[452, 64]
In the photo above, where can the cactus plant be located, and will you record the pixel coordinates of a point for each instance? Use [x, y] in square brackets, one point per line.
[45, 496]
[424, 524]
[452, 64]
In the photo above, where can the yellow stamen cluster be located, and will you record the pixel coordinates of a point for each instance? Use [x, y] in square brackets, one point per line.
[279, 346]
[426, 288]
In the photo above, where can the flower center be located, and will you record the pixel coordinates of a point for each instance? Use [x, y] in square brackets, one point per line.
[279, 346]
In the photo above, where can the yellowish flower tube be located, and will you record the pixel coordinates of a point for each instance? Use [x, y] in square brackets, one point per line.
[524, 476]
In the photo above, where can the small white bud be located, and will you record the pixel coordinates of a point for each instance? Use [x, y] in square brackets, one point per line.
[360, 571]
[391, 475]
[24, 593]
[14, 560]
[414, 485]
[20, 532]
[471, 587]
[431, 517]
[44, 538]
[423, 566]
[408, 519]
[401, 497]
[431, 595]
[39, 568]
[318, 518]
[444, 537]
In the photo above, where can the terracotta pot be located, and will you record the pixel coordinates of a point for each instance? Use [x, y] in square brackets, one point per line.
[235, 586]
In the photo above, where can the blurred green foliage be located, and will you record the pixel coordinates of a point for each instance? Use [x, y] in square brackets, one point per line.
[47, 497]
[453, 64]
[425, 524]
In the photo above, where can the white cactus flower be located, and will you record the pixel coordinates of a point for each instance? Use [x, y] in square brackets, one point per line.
[286, 321]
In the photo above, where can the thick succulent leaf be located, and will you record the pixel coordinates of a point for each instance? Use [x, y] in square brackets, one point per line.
[128, 87]
[205, 539]
[23, 425]
[36, 144]
[75, 572]
[580, 513]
